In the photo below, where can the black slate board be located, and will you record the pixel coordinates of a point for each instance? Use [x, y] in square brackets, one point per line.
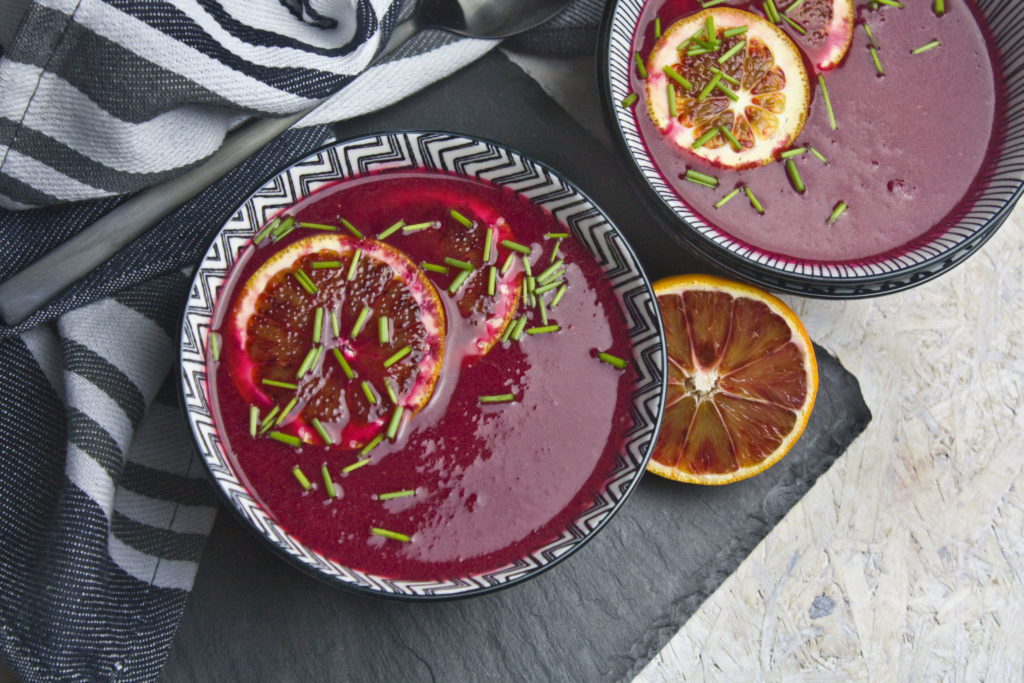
[603, 613]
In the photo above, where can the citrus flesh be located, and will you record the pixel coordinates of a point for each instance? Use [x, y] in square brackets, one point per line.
[742, 379]
[752, 83]
[272, 326]
[828, 30]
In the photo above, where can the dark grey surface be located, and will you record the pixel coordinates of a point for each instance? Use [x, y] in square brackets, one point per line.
[603, 613]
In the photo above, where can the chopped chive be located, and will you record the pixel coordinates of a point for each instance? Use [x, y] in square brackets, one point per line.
[677, 77]
[318, 226]
[874, 58]
[508, 264]
[460, 218]
[364, 450]
[328, 484]
[488, 238]
[753, 200]
[828, 103]
[351, 275]
[497, 398]
[508, 332]
[940, 7]
[321, 265]
[715, 80]
[459, 280]
[549, 272]
[727, 134]
[611, 360]
[359, 463]
[393, 535]
[732, 51]
[725, 77]
[254, 420]
[267, 229]
[519, 327]
[397, 356]
[351, 228]
[793, 6]
[287, 409]
[387, 232]
[697, 51]
[307, 362]
[924, 48]
[280, 385]
[531, 283]
[836, 213]
[292, 441]
[735, 31]
[705, 139]
[515, 246]
[724, 89]
[641, 70]
[390, 389]
[867, 30]
[416, 227]
[286, 225]
[305, 282]
[554, 250]
[657, 27]
[818, 155]
[709, 27]
[794, 176]
[700, 178]
[770, 11]
[544, 289]
[383, 330]
[795, 152]
[269, 419]
[335, 324]
[345, 367]
[542, 309]
[404, 493]
[492, 280]
[357, 327]
[526, 266]
[543, 329]
[368, 392]
[796, 27]
[556, 235]
[214, 340]
[671, 93]
[890, 3]
[463, 265]
[710, 3]
[434, 268]
[721, 202]
[322, 432]
[318, 324]
[299, 476]
[396, 419]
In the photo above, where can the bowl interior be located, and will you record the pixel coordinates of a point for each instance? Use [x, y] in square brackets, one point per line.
[468, 158]
[1000, 185]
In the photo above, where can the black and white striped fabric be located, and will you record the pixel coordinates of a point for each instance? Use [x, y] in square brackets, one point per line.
[104, 507]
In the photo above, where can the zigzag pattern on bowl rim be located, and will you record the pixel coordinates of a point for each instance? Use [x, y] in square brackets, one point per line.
[468, 157]
[1000, 186]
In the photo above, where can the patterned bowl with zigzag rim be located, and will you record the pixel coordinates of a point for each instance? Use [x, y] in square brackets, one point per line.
[467, 157]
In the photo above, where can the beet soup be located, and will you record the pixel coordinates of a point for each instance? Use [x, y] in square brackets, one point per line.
[904, 159]
[514, 439]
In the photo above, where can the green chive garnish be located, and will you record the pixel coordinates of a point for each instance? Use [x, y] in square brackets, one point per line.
[611, 360]
[526, 266]
[724, 89]
[795, 152]
[254, 420]
[460, 218]
[321, 265]
[214, 340]
[383, 329]
[404, 493]
[416, 227]
[517, 331]
[940, 7]
[543, 289]
[299, 476]
[555, 249]
[351, 275]
[721, 202]
[463, 265]
[359, 463]
[287, 409]
[556, 235]
[867, 30]
[727, 134]
[393, 535]
[434, 268]
[543, 329]
[335, 324]
[392, 396]
[391, 230]
[397, 356]
[706, 138]
[793, 6]
[837, 212]
[318, 226]
[360, 321]
[328, 484]
[549, 272]
[794, 176]
[828, 103]
[890, 3]
[288, 439]
[497, 398]
[368, 392]
[753, 200]
[488, 238]
[735, 31]
[531, 283]
[345, 367]
[492, 280]
[725, 77]
[459, 280]
[874, 58]
[797, 27]
[351, 228]
[924, 48]
[322, 432]
[715, 80]
[286, 225]
[558, 295]
[508, 264]
[677, 77]
[640, 69]
[305, 282]
[671, 93]
[307, 362]
[267, 229]
[318, 324]
[818, 155]
[732, 51]
[269, 419]
[700, 178]
[515, 246]
[364, 450]
[280, 385]
[770, 11]
[396, 419]
[710, 3]
[657, 27]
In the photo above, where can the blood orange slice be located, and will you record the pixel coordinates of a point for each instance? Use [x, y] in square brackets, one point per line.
[728, 86]
[742, 380]
[336, 329]
[822, 28]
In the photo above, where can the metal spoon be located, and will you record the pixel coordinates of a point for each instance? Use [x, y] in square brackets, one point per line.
[27, 291]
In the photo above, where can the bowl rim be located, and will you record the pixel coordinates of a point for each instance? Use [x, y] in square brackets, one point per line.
[774, 277]
[638, 306]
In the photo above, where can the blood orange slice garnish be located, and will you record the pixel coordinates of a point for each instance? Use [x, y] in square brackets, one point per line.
[728, 86]
[742, 380]
[331, 328]
[825, 29]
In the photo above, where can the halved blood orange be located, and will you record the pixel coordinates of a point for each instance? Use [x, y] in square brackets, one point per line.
[742, 380]
[728, 86]
[349, 370]
[825, 29]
